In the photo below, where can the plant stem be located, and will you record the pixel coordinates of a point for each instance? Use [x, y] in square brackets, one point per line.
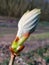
[12, 60]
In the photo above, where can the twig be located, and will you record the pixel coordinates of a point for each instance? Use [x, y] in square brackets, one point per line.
[12, 60]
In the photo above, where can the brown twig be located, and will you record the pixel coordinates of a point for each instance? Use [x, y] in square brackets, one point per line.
[12, 59]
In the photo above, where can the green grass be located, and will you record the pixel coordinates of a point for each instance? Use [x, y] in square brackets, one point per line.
[44, 23]
[32, 36]
[39, 36]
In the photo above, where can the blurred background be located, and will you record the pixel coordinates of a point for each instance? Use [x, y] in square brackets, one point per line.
[36, 51]
[16, 8]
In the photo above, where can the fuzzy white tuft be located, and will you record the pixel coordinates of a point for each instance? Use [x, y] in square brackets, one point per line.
[28, 22]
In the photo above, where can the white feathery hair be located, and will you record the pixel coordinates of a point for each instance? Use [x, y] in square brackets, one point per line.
[28, 22]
